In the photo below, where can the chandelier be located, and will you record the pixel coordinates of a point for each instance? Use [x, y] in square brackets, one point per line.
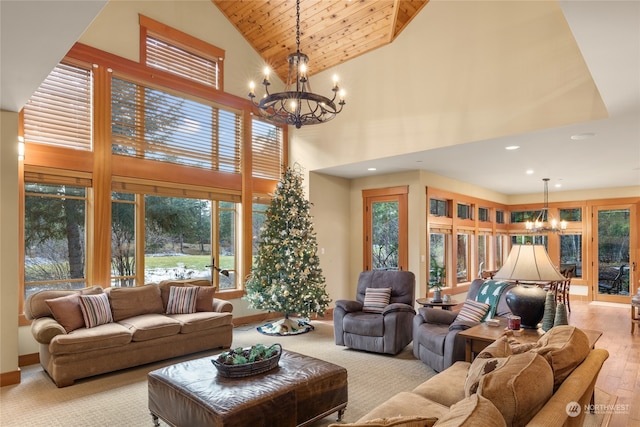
[543, 223]
[297, 105]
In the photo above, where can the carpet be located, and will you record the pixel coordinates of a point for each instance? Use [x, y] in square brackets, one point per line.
[120, 399]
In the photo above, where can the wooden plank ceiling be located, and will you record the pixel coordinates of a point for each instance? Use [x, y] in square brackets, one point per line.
[331, 31]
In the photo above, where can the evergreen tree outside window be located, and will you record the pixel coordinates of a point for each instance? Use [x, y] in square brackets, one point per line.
[54, 237]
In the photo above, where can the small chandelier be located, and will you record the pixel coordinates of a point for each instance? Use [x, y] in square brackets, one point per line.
[297, 105]
[543, 223]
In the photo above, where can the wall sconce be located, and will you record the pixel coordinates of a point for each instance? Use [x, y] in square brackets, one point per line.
[21, 148]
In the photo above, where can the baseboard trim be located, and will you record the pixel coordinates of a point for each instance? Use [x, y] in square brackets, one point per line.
[10, 378]
[29, 359]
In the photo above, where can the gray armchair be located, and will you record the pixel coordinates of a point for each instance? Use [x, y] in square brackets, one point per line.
[435, 331]
[387, 332]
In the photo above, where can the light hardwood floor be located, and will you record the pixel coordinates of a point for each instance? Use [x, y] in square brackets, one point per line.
[620, 374]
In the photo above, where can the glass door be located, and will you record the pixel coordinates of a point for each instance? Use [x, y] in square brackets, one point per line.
[614, 264]
[385, 229]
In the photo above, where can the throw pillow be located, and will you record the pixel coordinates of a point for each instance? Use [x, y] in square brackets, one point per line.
[400, 421]
[475, 410]
[95, 310]
[67, 312]
[519, 387]
[376, 299]
[205, 298]
[564, 348]
[182, 299]
[129, 302]
[473, 311]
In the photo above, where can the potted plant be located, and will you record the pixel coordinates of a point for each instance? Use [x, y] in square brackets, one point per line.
[436, 279]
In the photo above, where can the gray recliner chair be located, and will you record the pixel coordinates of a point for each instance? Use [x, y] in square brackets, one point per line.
[435, 331]
[387, 332]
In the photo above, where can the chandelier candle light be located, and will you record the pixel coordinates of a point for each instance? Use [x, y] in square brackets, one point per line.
[297, 105]
[542, 223]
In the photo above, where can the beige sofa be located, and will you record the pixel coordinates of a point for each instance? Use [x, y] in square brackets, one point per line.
[549, 383]
[138, 332]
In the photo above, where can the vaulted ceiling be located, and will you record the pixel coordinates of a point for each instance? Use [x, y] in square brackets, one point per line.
[331, 31]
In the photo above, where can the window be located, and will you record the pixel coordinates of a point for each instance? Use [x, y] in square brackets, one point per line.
[60, 112]
[524, 216]
[571, 252]
[258, 216]
[150, 123]
[181, 54]
[499, 251]
[465, 211]
[529, 239]
[266, 148]
[437, 258]
[483, 263]
[438, 207]
[499, 217]
[123, 239]
[462, 259]
[227, 245]
[484, 214]
[572, 215]
[54, 237]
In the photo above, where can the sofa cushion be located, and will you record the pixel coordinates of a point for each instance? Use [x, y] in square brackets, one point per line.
[129, 302]
[201, 320]
[473, 311]
[67, 312]
[376, 299]
[564, 347]
[447, 387]
[205, 298]
[402, 421]
[406, 404]
[88, 339]
[95, 310]
[150, 326]
[182, 299]
[519, 386]
[474, 410]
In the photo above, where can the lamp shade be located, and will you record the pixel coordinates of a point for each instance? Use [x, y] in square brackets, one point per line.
[528, 263]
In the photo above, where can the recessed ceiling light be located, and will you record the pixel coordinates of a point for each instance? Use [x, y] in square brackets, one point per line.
[512, 147]
[529, 171]
[581, 136]
[371, 169]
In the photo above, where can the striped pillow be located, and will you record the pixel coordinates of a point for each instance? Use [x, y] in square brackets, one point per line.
[95, 310]
[473, 311]
[376, 299]
[182, 299]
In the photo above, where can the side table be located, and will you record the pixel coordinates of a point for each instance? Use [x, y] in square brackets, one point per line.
[478, 337]
[426, 302]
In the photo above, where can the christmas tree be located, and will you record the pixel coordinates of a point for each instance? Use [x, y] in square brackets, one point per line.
[286, 275]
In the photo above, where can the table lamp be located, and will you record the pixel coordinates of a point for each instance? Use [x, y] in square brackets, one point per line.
[528, 265]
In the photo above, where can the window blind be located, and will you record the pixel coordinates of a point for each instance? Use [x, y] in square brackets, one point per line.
[60, 111]
[266, 146]
[150, 123]
[168, 57]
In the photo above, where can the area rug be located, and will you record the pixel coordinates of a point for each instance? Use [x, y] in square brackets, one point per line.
[120, 399]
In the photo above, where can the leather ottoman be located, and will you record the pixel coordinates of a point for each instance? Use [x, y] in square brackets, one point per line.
[298, 392]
